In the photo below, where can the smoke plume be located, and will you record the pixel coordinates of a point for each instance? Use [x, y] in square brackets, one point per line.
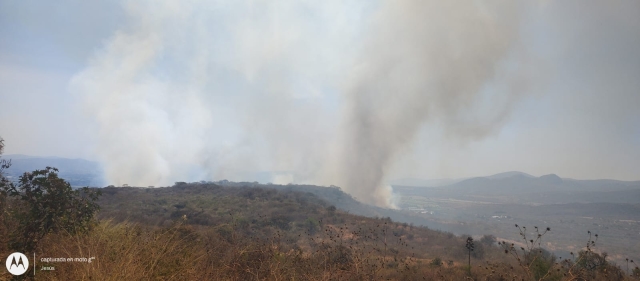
[423, 60]
[322, 92]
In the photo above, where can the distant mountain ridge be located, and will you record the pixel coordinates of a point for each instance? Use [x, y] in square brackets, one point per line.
[78, 172]
[23, 156]
[510, 174]
[522, 188]
[443, 182]
[81, 172]
[424, 182]
[417, 182]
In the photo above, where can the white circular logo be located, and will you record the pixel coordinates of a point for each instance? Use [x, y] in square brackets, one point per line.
[17, 263]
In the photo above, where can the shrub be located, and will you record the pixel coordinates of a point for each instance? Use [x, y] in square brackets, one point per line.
[42, 203]
[436, 262]
[488, 240]
[540, 262]
[311, 225]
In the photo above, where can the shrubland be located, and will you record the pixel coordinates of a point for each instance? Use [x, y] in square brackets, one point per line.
[208, 231]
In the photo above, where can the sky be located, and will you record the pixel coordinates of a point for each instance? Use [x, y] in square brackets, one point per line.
[328, 92]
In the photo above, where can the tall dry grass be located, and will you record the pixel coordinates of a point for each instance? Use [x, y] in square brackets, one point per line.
[127, 251]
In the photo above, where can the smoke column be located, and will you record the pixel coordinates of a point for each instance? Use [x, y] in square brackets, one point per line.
[424, 60]
[327, 91]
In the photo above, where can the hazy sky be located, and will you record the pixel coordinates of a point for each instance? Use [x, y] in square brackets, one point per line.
[322, 90]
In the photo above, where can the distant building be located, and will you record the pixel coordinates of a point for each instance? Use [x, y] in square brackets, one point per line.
[125, 185]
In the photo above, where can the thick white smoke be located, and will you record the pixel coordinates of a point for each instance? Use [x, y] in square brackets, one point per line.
[424, 60]
[331, 92]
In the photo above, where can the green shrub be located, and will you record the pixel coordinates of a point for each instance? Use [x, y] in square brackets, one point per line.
[43, 203]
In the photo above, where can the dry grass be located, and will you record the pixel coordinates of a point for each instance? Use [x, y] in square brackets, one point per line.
[126, 251]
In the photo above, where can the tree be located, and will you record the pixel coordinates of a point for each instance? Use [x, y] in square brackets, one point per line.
[4, 164]
[540, 262]
[469, 247]
[43, 203]
[488, 240]
[590, 265]
[4, 225]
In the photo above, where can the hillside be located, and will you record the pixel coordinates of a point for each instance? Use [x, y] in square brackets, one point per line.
[494, 204]
[248, 209]
[248, 231]
[520, 188]
[309, 224]
[242, 231]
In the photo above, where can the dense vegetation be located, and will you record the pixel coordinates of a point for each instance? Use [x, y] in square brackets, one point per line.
[208, 231]
[325, 240]
[244, 231]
